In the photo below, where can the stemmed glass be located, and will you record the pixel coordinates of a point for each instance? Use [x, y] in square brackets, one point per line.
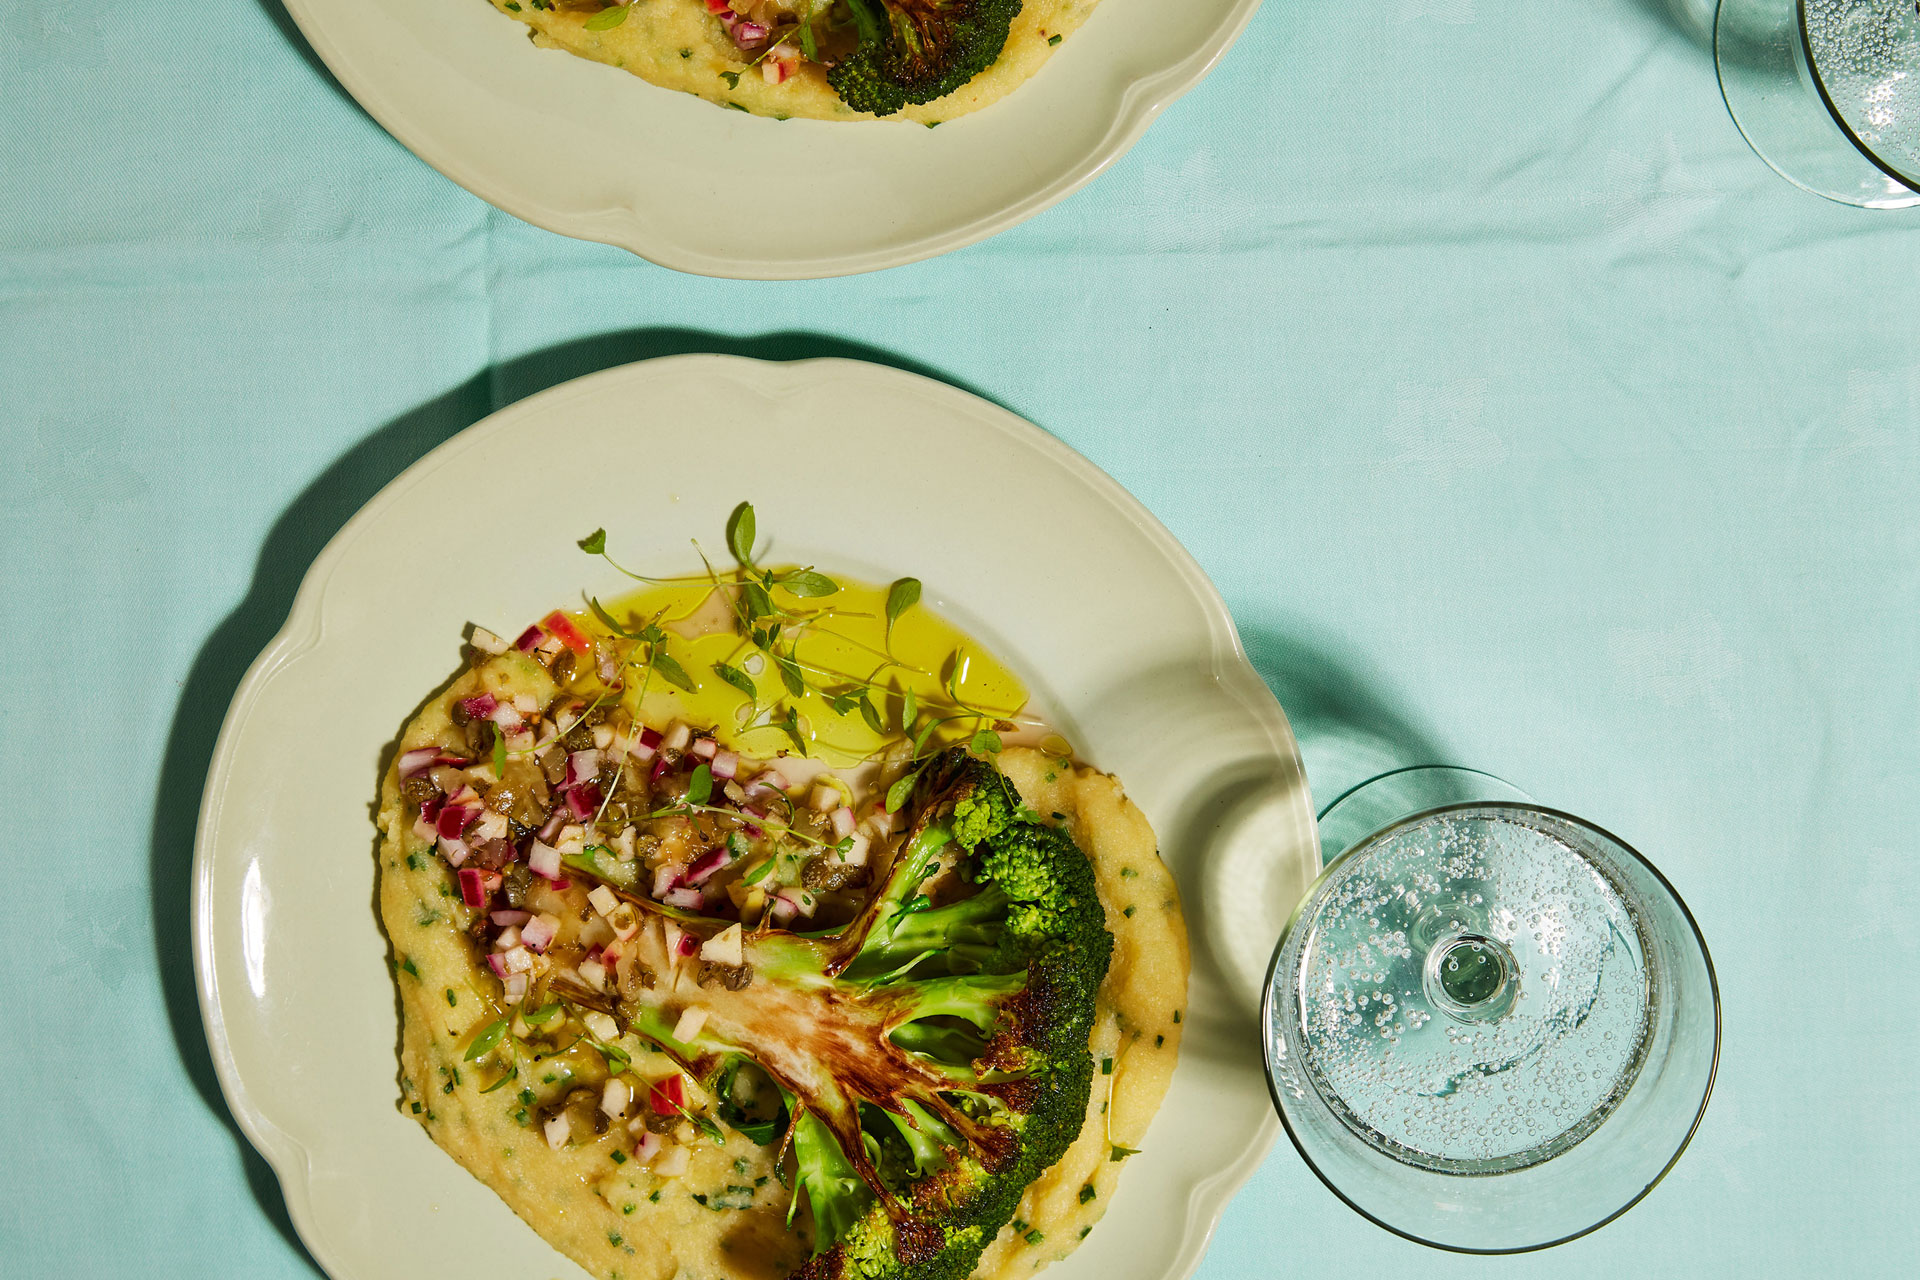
[1490, 1026]
[1828, 93]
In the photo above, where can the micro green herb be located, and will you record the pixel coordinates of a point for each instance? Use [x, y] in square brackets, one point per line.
[671, 671]
[738, 679]
[544, 1014]
[732, 78]
[1121, 1153]
[909, 711]
[901, 596]
[759, 873]
[740, 525]
[488, 1037]
[899, 793]
[790, 674]
[502, 1082]
[807, 584]
[655, 1197]
[985, 742]
[792, 727]
[607, 19]
[700, 785]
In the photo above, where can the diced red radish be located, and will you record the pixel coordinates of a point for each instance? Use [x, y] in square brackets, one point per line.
[660, 766]
[781, 912]
[518, 959]
[516, 987]
[687, 899]
[678, 736]
[705, 748]
[749, 35]
[492, 826]
[842, 822]
[480, 706]
[646, 746]
[544, 860]
[719, 6]
[498, 963]
[507, 716]
[510, 916]
[673, 1162]
[561, 886]
[583, 800]
[562, 628]
[538, 933]
[725, 765]
[556, 1131]
[455, 819]
[702, 868]
[825, 798]
[454, 851]
[507, 939]
[647, 1147]
[604, 900]
[582, 766]
[668, 1097]
[421, 759]
[803, 902]
[775, 70]
[473, 887]
[686, 944]
[881, 821]
[529, 639]
[594, 974]
[551, 827]
[525, 703]
[666, 876]
[766, 783]
[487, 642]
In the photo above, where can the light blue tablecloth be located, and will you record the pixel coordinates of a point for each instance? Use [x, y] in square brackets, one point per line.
[1523, 417]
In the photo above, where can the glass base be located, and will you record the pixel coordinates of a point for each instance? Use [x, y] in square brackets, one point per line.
[1770, 91]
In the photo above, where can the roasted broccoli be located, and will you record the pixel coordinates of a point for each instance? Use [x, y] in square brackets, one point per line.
[913, 51]
[929, 1059]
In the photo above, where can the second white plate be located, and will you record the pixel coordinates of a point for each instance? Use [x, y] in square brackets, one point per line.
[851, 466]
[593, 152]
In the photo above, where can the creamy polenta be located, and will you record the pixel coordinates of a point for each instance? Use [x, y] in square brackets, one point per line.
[590, 902]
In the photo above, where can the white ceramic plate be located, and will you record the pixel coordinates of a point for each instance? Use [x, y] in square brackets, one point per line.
[851, 466]
[594, 152]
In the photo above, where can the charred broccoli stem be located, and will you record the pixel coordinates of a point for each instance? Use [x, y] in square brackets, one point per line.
[914, 51]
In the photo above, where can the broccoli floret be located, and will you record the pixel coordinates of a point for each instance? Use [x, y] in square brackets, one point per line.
[931, 1061]
[913, 51]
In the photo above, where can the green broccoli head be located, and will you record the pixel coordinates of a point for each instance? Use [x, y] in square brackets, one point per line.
[914, 51]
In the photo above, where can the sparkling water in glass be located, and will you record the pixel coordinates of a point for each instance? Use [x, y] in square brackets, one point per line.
[1828, 93]
[1490, 1026]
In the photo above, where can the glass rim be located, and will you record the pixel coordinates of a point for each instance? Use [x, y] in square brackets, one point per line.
[1269, 988]
[1833, 109]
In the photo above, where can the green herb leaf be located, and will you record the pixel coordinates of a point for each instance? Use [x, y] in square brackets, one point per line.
[488, 1037]
[499, 752]
[707, 1127]
[901, 596]
[807, 584]
[909, 711]
[738, 679]
[920, 739]
[700, 785]
[740, 530]
[790, 675]
[607, 19]
[732, 78]
[544, 1014]
[871, 715]
[759, 873]
[672, 672]
[506, 1079]
[792, 726]
[406, 966]
[1121, 1153]
[900, 792]
[759, 605]
[606, 619]
[841, 703]
[986, 743]
[595, 543]
[1087, 1193]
